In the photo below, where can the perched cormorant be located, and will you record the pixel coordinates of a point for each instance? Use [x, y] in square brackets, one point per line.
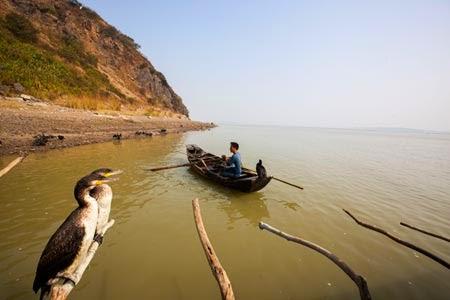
[68, 246]
[103, 194]
[260, 170]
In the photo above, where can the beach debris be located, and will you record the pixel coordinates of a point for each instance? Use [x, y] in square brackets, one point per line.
[117, 136]
[357, 279]
[26, 97]
[400, 241]
[42, 139]
[141, 132]
[219, 272]
[163, 131]
[426, 232]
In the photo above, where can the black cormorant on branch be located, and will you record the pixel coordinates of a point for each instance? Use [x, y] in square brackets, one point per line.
[260, 170]
[68, 246]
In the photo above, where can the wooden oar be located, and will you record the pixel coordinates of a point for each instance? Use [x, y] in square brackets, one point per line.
[288, 183]
[175, 166]
[168, 167]
[277, 179]
[203, 162]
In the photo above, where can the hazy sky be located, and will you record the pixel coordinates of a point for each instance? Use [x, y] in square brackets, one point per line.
[307, 63]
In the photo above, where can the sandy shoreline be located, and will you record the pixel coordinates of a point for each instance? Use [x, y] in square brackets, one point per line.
[22, 120]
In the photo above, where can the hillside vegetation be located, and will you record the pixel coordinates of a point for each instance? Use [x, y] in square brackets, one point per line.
[44, 73]
[56, 51]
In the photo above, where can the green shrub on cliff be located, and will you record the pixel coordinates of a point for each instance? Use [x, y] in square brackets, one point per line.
[112, 32]
[20, 27]
[43, 74]
[48, 9]
[72, 50]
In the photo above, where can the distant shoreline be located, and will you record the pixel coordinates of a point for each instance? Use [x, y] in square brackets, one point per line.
[369, 129]
[22, 120]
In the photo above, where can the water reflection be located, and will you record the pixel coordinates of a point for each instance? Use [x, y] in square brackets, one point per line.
[249, 207]
[237, 205]
[290, 205]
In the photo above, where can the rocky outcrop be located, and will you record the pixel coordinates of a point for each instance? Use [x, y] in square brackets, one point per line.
[132, 76]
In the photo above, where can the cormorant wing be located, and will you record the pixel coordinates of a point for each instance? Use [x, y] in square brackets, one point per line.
[61, 250]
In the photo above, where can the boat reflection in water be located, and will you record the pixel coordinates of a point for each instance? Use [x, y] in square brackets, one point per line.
[249, 207]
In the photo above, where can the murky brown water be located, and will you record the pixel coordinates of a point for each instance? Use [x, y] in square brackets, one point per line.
[153, 251]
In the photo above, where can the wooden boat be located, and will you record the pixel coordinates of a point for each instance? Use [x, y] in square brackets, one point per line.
[209, 166]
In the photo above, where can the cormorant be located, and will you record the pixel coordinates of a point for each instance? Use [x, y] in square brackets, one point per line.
[68, 246]
[103, 194]
[260, 170]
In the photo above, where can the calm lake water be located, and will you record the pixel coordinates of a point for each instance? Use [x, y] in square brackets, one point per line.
[153, 251]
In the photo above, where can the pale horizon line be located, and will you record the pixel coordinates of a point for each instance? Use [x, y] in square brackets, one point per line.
[367, 128]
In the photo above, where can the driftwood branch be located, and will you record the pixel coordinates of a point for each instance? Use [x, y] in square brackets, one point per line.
[11, 165]
[357, 279]
[169, 167]
[61, 288]
[426, 232]
[219, 272]
[400, 241]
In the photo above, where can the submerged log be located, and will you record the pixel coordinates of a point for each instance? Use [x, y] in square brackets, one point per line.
[219, 272]
[400, 241]
[357, 279]
[11, 165]
[426, 232]
[61, 288]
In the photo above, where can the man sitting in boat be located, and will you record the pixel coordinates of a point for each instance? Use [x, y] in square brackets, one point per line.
[233, 166]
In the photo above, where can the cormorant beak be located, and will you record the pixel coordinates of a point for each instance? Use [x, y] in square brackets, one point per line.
[107, 177]
[103, 181]
[113, 173]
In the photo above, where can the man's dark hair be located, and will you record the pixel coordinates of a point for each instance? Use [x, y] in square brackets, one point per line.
[235, 145]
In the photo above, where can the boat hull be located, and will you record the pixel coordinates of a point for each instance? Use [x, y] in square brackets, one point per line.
[204, 163]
